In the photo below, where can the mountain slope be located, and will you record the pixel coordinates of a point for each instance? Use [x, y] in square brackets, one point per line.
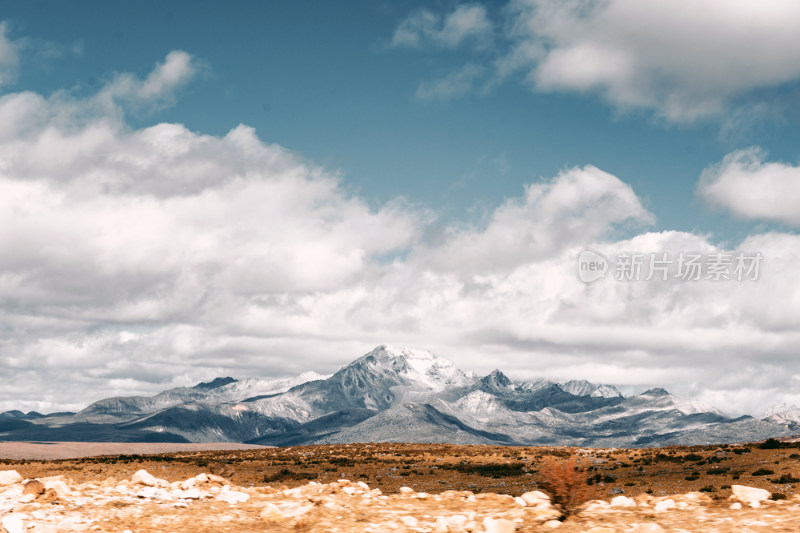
[400, 394]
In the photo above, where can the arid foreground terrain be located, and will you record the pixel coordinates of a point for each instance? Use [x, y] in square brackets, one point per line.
[405, 487]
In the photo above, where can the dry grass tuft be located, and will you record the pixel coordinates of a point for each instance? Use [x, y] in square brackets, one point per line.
[565, 482]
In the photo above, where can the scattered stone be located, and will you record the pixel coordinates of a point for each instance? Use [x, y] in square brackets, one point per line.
[13, 523]
[152, 504]
[622, 501]
[410, 521]
[58, 486]
[143, 477]
[498, 525]
[665, 505]
[535, 498]
[232, 496]
[34, 487]
[750, 495]
[9, 477]
[271, 514]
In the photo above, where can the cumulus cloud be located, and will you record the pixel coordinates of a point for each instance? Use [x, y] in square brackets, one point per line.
[467, 23]
[155, 91]
[683, 60]
[579, 205]
[138, 259]
[747, 186]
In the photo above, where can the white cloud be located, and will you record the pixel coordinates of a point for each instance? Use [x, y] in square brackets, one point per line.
[579, 205]
[155, 91]
[751, 188]
[684, 60]
[456, 83]
[132, 260]
[467, 23]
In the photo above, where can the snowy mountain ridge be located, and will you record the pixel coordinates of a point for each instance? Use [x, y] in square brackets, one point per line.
[401, 394]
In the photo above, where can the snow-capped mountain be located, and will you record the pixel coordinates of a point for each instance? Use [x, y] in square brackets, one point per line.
[785, 415]
[400, 394]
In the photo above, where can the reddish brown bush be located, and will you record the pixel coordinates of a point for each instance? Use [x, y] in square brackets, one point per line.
[565, 482]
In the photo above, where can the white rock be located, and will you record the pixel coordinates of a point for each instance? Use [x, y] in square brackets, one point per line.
[191, 494]
[233, 496]
[409, 521]
[154, 493]
[647, 528]
[448, 524]
[622, 501]
[520, 501]
[498, 525]
[9, 477]
[596, 506]
[406, 490]
[201, 478]
[61, 488]
[552, 524]
[143, 477]
[736, 505]
[270, 513]
[534, 498]
[13, 523]
[664, 505]
[750, 495]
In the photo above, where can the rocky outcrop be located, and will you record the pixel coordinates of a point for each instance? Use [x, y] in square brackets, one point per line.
[148, 503]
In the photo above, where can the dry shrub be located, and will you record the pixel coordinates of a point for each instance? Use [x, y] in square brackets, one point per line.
[565, 482]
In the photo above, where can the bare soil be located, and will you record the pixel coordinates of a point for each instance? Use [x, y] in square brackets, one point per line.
[407, 487]
[438, 467]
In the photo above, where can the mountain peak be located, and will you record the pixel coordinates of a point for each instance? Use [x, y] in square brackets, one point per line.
[782, 409]
[218, 382]
[658, 391]
[581, 387]
[496, 380]
[414, 365]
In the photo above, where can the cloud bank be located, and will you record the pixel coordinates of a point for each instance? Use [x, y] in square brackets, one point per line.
[682, 61]
[137, 259]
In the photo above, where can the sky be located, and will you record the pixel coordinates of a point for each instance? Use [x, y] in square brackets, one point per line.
[196, 189]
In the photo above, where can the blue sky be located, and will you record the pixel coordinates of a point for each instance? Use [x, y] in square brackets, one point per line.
[323, 80]
[197, 189]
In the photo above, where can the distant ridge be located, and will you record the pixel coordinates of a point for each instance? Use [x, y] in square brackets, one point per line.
[400, 395]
